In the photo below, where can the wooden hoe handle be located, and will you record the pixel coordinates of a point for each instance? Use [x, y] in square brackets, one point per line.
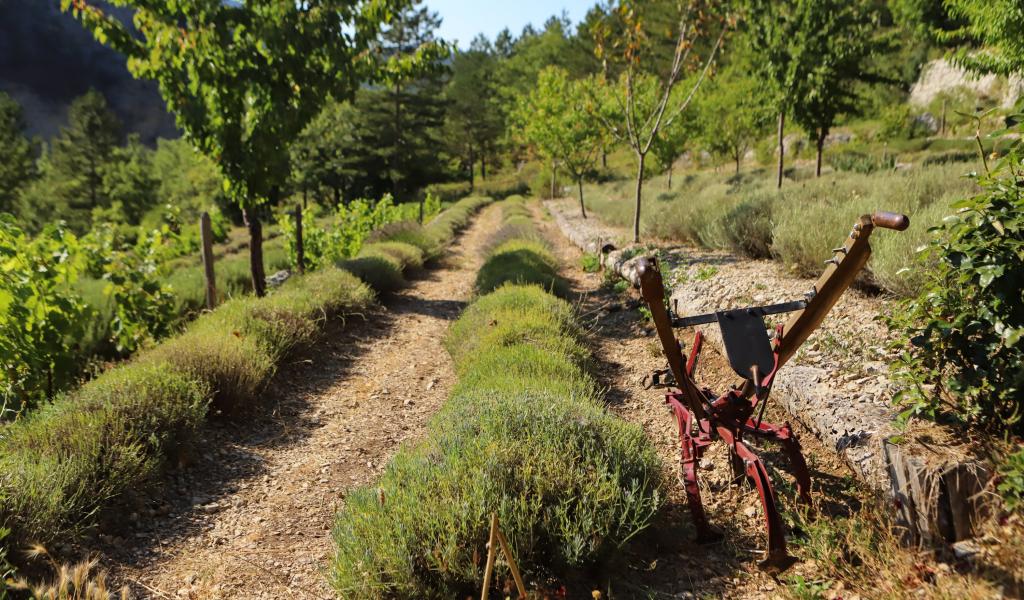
[890, 220]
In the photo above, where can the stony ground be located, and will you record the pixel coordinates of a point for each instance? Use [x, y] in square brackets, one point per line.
[250, 517]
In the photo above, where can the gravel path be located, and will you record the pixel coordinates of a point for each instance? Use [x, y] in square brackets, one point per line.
[251, 516]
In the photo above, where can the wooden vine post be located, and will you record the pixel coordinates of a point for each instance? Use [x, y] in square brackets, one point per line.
[206, 236]
[300, 262]
[496, 539]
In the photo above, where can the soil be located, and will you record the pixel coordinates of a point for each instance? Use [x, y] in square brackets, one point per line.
[666, 562]
[251, 516]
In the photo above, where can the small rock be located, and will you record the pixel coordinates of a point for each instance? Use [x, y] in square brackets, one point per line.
[966, 549]
[750, 511]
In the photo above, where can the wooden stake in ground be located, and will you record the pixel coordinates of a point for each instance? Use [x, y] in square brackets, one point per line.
[300, 262]
[206, 235]
[496, 538]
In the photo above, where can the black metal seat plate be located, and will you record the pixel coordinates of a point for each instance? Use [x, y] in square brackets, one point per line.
[746, 341]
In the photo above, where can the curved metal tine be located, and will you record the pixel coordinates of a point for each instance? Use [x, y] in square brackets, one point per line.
[777, 559]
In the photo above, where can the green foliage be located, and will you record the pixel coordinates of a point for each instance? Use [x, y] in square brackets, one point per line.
[18, 166]
[382, 273]
[848, 159]
[189, 181]
[41, 318]
[554, 119]
[996, 24]
[733, 115]
[409, 257]
[965, 326]
[67, 459]
[1011, 480]
[144, 306]
[524, 434]
[590, 263]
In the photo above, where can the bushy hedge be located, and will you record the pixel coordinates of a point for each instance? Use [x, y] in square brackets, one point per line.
[524, 434]
[517, 253]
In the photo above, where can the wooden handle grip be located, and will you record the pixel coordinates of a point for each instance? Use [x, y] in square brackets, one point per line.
[890, 220]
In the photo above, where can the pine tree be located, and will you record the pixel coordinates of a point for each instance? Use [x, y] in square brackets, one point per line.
[17, 166]
[79, 155]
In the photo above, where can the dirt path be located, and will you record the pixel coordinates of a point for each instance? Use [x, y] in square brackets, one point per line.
[251, 517]
[666, 563]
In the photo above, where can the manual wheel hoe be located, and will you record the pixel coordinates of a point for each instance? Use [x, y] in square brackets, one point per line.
[756, 357]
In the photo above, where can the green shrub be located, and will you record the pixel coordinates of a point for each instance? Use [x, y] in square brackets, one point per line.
[520, 261]
[570, 482]
[449, 192]
[748, 226]
[236, 348]
[383, 274]
[964, 328]
[848, 159]
[408, 232]
[1011, 480]
[65, 460]
[442, 228]
[408, 256]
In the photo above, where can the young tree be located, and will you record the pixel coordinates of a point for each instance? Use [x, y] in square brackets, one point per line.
[324, 154]
[772, 31]
[672, 140]
[17, 167]
[646, 103]
[243, 79]
[733, 115]
[841, 37]
[554, 119]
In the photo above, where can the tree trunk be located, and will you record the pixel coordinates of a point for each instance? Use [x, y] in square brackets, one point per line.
[782, 147]
[583, 208]
[738, 159]
[483, 166]
[670, 176]
[639, 192]
[552, 179]
[300, 255]
[472, 169]
[259, 279]
[604, 157]
[337, 197]
[822, 134]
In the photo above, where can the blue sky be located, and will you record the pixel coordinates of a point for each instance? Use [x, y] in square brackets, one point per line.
[463, 19]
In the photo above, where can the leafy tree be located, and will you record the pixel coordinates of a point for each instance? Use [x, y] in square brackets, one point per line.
[773, 31]
[80, 154]
[554, 119]
[128, 179]
[733, 116]
[326, 155]
[243, 79]
[18, 165]
[996, 26]
[645, 103]
[187, 179]
[840, 36]
[672, 140]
